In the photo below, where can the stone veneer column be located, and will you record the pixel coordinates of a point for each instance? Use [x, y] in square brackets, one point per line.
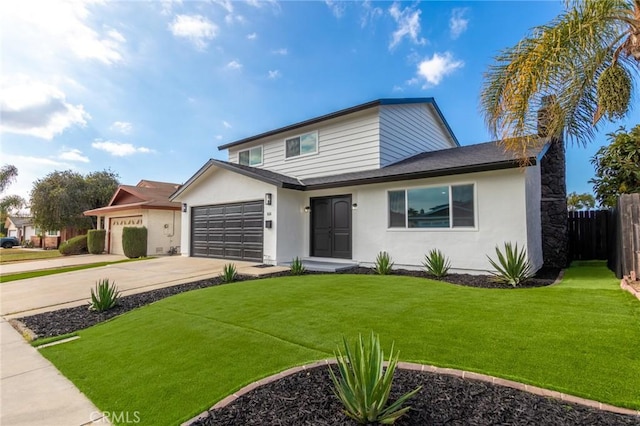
[553, 205]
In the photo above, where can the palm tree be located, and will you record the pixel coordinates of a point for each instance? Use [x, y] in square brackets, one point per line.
[585, 61]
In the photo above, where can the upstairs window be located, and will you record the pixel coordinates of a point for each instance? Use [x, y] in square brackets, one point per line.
[250, 157]
[451, 206]
[301, 145]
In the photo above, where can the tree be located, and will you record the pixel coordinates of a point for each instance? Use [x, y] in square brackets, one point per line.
[577, 201]
[586, 58]
[617, 166]
[8, 174]
[59, 199]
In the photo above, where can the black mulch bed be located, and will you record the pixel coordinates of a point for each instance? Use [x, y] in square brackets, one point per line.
[306, 398]
[68, 320]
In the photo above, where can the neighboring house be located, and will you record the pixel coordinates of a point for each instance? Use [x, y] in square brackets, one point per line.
[146, 204]
[20, 227]
[386, 175]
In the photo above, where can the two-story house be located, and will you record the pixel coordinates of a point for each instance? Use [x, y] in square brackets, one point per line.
[385, 175]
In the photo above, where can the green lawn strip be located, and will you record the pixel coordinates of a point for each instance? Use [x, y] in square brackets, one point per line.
[45, 340]
[578, 340]
[170, 366]
[19, 255]
[44, 272]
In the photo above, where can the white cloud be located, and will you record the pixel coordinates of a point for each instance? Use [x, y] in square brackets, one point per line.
[226, 124]
[259, 3]
[218, 137]
[123, 127]
[56, 29]
[433, 70]
[458, 22]
[408, 20]
[73, 155]
[195, 28]
[282, 51]
[397, 89]
[119, 149]
[35, 108]
[225, 4]
[167, 6]
[252, 36]
[370, 13]
[274, 74]
[31, 169]
[234, 65]
[337, 7]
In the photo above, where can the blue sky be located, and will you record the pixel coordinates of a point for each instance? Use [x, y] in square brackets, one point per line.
[149, 89]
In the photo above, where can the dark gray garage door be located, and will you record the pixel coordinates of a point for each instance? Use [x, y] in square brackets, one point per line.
[228, 231]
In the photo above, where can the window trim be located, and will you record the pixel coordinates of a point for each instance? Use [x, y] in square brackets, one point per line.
[249, 151]
[300, 135]
[451, 228]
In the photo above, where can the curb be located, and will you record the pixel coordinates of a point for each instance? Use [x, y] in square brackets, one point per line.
[432, 369]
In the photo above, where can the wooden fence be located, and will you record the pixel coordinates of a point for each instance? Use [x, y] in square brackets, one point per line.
[589, 234]
[625, 253]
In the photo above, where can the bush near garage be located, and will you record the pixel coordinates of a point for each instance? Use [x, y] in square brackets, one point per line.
[95, 240]
[134, 241]
[75, 245]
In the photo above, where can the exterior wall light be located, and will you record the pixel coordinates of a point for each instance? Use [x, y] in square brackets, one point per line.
[354, 206]
[307, 209]
[267, 199]
[184, 207]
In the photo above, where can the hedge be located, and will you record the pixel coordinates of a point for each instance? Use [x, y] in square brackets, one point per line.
[75, 245]
[95, 240]
[134, 241]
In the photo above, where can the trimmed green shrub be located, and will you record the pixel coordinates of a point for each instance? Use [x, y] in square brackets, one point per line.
[105, 296]
[513, 266]
[229, 273]
[95, 240]
[134, 241]
[75, 245]
[436, 263]
[297, 268]
[384, 264]
[364, 384]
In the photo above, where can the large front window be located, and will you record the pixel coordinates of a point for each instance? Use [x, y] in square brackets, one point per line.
[450, 206]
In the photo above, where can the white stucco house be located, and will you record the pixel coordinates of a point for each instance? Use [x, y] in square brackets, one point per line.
[145, 204]
[385, 175]
[20, 227]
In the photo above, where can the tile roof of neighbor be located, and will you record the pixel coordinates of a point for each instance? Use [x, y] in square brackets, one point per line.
[152, 194]
[465, 159]
[350, 110]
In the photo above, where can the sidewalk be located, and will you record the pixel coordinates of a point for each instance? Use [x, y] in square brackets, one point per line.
[33, 392]
[58, 262]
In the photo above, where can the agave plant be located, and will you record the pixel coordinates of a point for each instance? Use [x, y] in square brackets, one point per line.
[229, 273]
[105, 296]
[384, 263]
[364, 385]
[436, 263]
[513, 266]
[297, 268]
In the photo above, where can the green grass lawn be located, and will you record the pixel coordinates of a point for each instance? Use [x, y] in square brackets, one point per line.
[16, 254]
[5, 278]
[175, 358]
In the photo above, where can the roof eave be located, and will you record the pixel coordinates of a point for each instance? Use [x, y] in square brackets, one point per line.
[501, 165]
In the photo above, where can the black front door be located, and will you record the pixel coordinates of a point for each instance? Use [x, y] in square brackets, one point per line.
[331, 226]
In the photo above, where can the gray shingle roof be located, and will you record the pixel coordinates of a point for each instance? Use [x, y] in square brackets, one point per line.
[465, 159]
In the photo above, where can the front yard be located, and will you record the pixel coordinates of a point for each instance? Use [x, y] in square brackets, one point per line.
[18, 254]
[175, 358]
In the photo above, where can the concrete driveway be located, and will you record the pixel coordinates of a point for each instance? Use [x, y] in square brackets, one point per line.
[53, 292]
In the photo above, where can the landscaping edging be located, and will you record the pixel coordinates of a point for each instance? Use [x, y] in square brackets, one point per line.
[428, 368]
[626, 285]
